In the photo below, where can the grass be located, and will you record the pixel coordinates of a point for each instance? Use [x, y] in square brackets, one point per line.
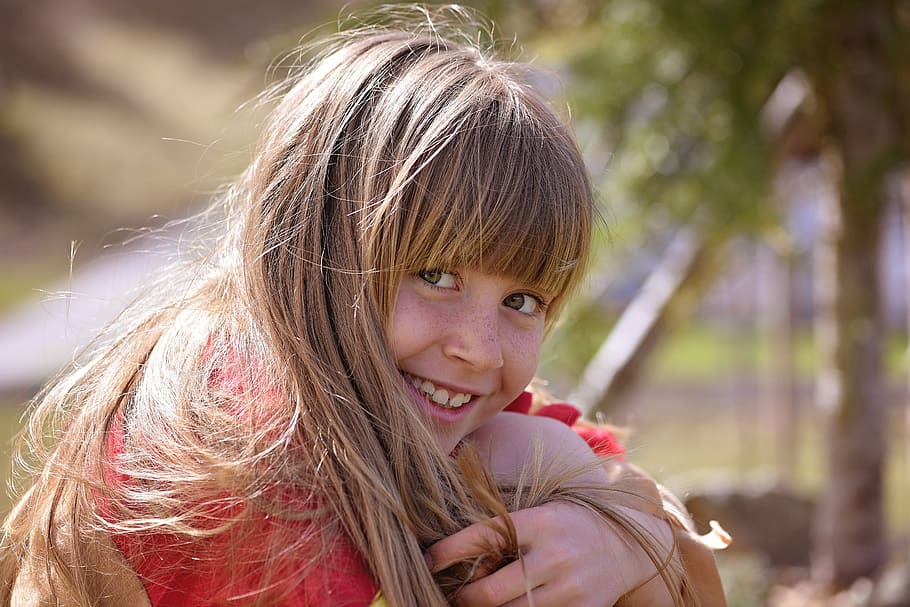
[686, 446]
[699, 351]
[700, 410]
[707, 413]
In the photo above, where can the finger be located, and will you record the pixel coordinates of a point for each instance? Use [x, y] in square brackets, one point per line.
[472, 541]
[549, 595]
[549, 588]
[545, 575]
[499, 588]
[478, 538]
[531, 523]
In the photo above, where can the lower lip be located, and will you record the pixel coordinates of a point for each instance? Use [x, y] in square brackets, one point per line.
[437, 412]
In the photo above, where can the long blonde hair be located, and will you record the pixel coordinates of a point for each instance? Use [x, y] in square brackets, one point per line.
[390, 151]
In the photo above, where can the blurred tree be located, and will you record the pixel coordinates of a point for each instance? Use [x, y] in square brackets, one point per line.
[679, 92]
[859, 70]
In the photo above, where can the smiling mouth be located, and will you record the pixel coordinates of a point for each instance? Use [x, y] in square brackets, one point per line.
[438, 396]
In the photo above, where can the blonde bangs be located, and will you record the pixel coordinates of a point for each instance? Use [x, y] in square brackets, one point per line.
[506, 192]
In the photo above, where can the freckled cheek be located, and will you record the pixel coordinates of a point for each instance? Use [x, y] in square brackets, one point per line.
[413, 327]
[522, 350]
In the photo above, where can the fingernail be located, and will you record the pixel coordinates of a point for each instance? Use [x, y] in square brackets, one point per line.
[428, 559]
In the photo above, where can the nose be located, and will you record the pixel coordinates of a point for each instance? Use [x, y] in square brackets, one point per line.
[474, 339]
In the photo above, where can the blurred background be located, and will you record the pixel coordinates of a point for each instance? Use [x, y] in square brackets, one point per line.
[747, 316]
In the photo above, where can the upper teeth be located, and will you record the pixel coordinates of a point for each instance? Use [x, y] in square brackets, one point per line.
[439, 396]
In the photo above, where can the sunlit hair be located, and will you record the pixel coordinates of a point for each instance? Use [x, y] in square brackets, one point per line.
[426, 154]
[261, 384]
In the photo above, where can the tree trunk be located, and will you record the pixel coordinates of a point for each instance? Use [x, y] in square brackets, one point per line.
[855, 86]
[850, 540]
[904, 202]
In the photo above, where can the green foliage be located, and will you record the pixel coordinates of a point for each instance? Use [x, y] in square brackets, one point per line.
[676, 91]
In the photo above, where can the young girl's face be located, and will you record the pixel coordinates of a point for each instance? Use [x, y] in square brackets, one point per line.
[467, 343]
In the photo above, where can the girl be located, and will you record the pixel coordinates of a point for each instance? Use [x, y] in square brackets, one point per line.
[280, 426]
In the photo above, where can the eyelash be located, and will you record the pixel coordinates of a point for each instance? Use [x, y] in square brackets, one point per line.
[542, 305]
[422, 275]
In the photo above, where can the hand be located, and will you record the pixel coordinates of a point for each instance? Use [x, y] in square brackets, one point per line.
[571, 557]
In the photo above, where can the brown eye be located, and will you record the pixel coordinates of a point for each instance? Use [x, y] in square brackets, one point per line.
[431, 276]
[438, 278]
[524, 303]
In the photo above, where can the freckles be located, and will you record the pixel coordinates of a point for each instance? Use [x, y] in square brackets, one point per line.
[488, 331]
[432, 319]
[525, 340]
[524, 348]
[414, 318]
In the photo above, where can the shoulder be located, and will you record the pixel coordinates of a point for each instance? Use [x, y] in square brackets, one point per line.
[510, 441]
[520, 427]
